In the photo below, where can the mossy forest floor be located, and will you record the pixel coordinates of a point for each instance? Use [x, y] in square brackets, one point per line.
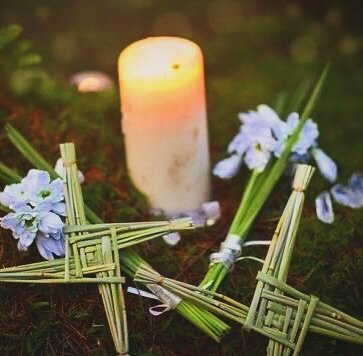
[252, 52]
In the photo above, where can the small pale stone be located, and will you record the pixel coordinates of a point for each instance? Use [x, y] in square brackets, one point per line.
[92, 81]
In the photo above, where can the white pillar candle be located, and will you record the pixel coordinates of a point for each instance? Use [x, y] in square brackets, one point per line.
[164, 121]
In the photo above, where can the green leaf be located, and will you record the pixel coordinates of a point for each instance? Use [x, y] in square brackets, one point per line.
[32, 155]
[8, 175]
[40, 306]
[9, 34]
[29, 59]
[28, 151]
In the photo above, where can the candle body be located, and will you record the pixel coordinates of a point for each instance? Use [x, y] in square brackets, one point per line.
[164, 121]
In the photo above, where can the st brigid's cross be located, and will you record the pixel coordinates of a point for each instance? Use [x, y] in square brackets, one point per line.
[278, 311]
[92, 252]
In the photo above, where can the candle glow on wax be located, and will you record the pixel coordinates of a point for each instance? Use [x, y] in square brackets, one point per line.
[164, 121]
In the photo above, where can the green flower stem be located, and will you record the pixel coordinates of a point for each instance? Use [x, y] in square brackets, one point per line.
[7, 175]
[246, 198]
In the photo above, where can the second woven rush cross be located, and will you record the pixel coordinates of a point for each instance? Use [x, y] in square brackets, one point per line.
[278, 311]
[92, 252]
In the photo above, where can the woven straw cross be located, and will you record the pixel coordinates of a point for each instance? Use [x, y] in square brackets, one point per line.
[278, 311]
[92, 252]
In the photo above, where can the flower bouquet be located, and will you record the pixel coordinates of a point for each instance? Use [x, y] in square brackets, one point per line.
[255, 144]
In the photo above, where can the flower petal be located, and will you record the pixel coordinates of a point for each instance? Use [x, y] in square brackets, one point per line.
[268, 112]
[35, 180]
[278, 127]
[228, 167]
[57, 190]
[41, 245]
[80, 176]
[292, 121]
[59, 169]
[50, 223]
[53, 220]
[21, 247]
[344, 195]
[10, 221]
[14, 196]
[324, 208]
[239, 143]
[172, 239]
[212, 211]
[27, 238]
[326, 165]
[257, 159]
[60, 209]
[356, 182]
[307, 138]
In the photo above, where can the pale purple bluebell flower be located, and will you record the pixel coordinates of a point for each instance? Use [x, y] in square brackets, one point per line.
[325, 164]
[23, 224]
[42, 191]
[257, 128]
[40, 188]
[307, 138]
[37, 203]
[262, 134]
[33, 190]
[30, 223]
[256, 141]
[324, 207]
